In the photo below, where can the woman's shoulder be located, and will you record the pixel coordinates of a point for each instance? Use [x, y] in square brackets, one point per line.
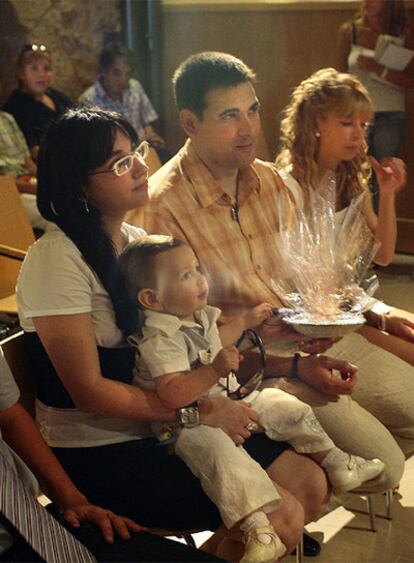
[52, 245]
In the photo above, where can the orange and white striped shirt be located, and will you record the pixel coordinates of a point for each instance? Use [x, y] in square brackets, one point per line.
[237, 252]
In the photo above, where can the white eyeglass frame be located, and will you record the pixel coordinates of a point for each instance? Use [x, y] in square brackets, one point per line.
[140, 153]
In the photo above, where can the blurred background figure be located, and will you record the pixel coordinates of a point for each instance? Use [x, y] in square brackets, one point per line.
[34, 103]
[356, 49]
[115, 90]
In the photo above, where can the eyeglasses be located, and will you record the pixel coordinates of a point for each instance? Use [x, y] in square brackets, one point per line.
[124, 164]
[255, 380]
[34, 47]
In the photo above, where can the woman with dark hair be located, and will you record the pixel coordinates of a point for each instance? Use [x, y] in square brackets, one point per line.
[356, 47]
[73, 309]
[34, 103]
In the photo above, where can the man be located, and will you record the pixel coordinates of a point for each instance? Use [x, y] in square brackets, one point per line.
[15, 161]
[115, 90]
[20, 440]
[217, 197]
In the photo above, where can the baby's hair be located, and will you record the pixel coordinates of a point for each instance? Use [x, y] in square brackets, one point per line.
[137, 261]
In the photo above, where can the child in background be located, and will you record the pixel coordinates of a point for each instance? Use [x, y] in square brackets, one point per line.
[184, 355]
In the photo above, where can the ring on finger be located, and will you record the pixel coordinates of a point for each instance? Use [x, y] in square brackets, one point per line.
[251, 426]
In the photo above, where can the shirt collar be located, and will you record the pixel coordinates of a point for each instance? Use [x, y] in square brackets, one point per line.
[101, 93]
[170, 324]
[207, 189]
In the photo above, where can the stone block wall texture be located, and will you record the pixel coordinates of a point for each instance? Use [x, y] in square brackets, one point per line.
[73, 31]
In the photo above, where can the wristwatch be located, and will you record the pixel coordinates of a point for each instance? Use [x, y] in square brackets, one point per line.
[188, 416]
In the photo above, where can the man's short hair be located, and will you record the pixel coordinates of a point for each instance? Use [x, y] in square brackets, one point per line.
[203, 72]
[111, 52]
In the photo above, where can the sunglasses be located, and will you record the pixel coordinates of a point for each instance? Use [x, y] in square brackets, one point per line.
[124, 164]
[34, 47]
[256, 379]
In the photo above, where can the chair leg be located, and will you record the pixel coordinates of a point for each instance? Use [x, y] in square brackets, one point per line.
[299, 551]
[372, 518]
[189, 540]
[389, 497]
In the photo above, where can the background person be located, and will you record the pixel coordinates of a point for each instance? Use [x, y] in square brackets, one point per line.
[115, 90]
[15, 161]
[356, 44]
[35, 103]
[70, 307]
[323, 129]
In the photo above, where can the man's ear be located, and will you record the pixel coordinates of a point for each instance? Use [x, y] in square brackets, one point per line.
[188, 121]
[148, 299]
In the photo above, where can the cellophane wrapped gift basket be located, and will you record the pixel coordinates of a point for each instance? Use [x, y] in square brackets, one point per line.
[325, 281]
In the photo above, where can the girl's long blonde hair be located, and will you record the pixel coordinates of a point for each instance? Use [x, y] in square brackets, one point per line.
[324, 93]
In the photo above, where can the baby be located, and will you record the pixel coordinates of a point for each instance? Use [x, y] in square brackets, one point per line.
[185, 356]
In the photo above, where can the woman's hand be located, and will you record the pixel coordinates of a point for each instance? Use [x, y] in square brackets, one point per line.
[328, 375]
[399, 326]
[391, 174]
[231, 416]
[106, 520]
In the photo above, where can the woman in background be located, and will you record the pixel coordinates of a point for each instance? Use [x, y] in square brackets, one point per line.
[323, 130]
[355, 54]
[34, 103]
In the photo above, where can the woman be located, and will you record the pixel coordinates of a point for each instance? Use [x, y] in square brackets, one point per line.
[73, 313]
[356, 47]
[323, 128]
[34, 104]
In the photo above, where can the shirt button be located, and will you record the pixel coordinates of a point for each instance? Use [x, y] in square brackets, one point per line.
[250, 237]
[258, 267]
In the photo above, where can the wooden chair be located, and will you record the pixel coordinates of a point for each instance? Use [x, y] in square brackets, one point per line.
[16, 235]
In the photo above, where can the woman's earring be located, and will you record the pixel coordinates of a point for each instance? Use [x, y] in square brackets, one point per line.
[53, 208]
[317, 134]
[86, 208]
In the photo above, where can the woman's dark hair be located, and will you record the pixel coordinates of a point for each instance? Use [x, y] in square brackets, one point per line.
[80, 141]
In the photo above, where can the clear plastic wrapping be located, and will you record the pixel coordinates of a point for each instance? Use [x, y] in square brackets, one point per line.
[324, 277]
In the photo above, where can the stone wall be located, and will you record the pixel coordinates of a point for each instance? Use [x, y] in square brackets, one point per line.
[73, 31]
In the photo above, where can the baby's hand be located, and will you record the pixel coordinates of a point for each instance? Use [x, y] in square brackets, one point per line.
[227, 360]
[257, 315]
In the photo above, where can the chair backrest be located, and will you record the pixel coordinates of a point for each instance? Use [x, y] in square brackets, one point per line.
[15, 231]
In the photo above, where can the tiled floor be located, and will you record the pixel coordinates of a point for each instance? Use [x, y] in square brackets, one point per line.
[345, 533]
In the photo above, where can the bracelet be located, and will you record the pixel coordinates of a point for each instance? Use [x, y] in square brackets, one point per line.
[382, 322]
[294, 369]
[384, 73]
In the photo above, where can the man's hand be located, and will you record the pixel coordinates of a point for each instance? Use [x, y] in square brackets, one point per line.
[231, 416]
[106, 520]
[227, 360]
[328, 375]
[399, 326]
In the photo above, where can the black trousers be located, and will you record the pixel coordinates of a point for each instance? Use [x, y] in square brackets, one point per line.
[142, 547]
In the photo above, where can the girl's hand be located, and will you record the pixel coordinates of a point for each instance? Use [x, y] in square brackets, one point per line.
[257, 315]
[391, 174]
[227, 360]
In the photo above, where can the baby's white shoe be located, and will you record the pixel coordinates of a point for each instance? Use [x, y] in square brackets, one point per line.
[263, 545]
[350, 474]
